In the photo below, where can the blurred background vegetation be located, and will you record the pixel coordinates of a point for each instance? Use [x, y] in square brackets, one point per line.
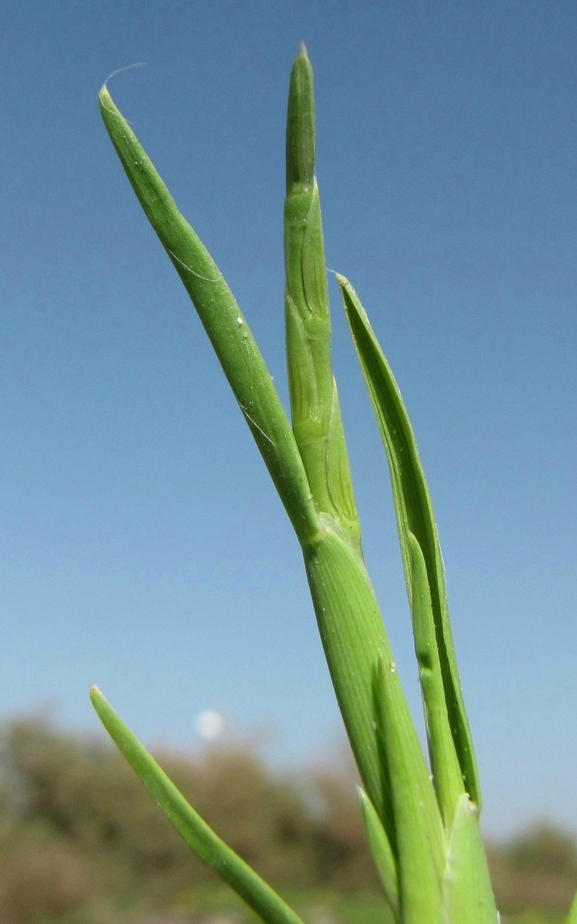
[82, 843]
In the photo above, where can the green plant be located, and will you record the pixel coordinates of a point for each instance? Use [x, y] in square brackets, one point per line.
[423, 830]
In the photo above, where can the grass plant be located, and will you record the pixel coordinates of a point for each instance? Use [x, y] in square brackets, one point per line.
[421, 817]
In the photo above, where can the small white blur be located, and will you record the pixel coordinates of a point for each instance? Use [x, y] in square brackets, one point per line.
[209, 724]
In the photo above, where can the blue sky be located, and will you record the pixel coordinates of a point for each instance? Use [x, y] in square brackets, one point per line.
[142, 546]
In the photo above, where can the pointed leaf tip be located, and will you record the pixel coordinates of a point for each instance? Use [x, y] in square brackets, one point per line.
[104, 95]
[300, 142]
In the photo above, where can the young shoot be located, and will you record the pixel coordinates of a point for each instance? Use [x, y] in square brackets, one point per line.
[421, 812]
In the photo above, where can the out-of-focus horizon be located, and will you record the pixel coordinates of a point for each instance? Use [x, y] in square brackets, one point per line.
[142, 545]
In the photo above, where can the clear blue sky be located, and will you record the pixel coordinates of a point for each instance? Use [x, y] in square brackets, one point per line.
[142, 546]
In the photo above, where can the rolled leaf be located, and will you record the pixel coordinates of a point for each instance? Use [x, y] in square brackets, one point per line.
[316, 416]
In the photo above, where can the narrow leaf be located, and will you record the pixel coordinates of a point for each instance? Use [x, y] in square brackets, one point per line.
[447, 775]
[572, 919]
[246, 883]
[316, 417]
[414, 514]
[382, 853]
[226, 327]
[468, 893]
[420, 842]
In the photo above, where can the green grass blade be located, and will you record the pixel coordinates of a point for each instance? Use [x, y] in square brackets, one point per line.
[572, 918]
[468, 893]
[382, 853]
[420, 841]
[414, 514]
[316, 416]
[222, 319]
[447, 776]
[246, 883]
